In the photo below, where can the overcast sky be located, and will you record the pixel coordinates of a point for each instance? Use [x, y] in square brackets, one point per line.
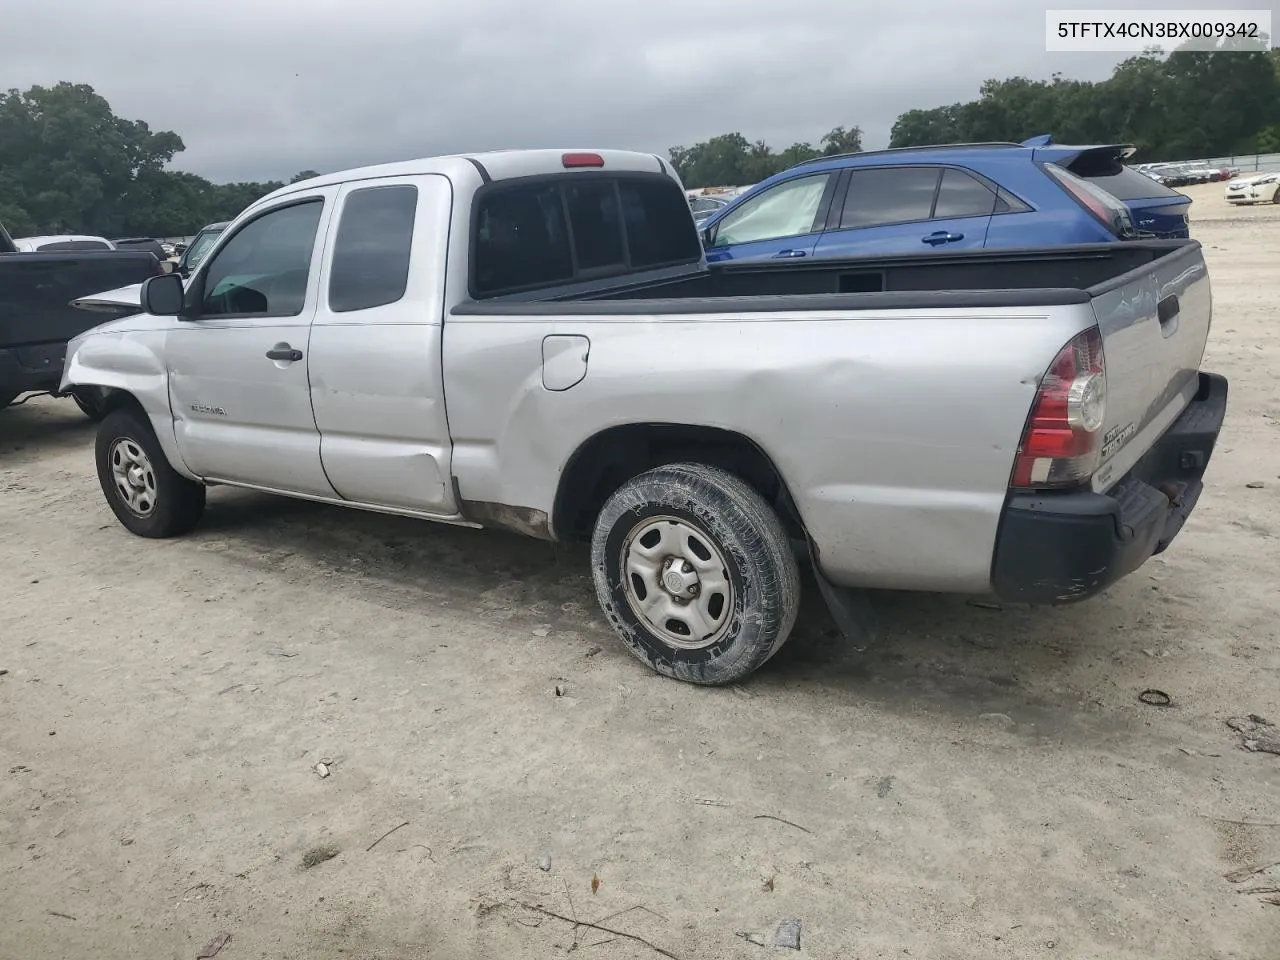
[260, 89]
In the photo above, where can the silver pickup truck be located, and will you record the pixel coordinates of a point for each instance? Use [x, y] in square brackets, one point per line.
[533, 340]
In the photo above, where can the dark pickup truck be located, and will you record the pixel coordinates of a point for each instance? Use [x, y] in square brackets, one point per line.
[36, 315]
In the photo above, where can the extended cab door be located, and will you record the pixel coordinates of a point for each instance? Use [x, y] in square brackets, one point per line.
[376, 379]
[908, 209]
[238, 366]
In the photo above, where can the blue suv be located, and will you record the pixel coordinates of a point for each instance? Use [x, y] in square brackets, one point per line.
[912, 199]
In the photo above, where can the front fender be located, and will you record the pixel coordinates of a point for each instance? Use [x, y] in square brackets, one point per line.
[128, 362]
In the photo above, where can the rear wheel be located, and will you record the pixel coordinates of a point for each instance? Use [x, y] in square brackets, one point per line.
[147, 495]
[695, 572]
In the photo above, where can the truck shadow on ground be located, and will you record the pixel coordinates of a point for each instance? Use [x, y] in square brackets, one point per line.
[937, 649]
[42, 426]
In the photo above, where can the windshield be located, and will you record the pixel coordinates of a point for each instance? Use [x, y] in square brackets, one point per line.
[200, 246]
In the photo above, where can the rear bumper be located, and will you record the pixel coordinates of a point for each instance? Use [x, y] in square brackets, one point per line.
[1063, 547]
[34, 367]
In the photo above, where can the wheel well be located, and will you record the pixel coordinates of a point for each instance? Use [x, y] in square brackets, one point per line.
[609, 459]
[114, 399]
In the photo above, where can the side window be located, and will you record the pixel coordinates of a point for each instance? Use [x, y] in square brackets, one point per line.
[963, 196]
[787, 210]
[884, 195]
[1006, 202]
[263, 269]
[370, 265]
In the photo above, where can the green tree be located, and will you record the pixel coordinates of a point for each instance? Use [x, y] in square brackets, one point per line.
[839, 141]
[68, 164]
[1183, 105]
[303, 175]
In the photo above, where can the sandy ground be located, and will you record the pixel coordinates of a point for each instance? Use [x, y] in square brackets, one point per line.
[163, 705]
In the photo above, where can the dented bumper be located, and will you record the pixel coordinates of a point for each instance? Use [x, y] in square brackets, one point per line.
[1056, 548]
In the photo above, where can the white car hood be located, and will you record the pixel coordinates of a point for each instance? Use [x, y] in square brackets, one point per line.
[1246, 181]
[115, 301]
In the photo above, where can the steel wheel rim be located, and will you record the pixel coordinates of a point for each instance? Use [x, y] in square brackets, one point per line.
[677, 583]
[133, 476]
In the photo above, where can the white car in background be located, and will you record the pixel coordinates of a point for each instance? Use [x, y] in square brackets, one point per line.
[1259, 188]
[69, 241]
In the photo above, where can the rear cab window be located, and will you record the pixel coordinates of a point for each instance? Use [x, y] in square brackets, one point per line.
[64, 245]
[538, 232]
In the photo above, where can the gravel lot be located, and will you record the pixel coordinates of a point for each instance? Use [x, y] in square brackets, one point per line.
[163, 706]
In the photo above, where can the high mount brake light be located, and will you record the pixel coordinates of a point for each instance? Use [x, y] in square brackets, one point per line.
[1062, 443]
[571, 160]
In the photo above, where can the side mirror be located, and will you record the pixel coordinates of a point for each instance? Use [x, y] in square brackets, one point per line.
[162, 296]
[708, 237]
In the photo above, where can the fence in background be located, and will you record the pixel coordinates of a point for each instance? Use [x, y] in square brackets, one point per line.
[1256, 163]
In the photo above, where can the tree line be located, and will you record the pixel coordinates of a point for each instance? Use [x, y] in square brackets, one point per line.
[1181, 106]
[68, 164]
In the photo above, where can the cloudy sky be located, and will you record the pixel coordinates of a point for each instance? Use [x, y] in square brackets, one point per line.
[260, 89]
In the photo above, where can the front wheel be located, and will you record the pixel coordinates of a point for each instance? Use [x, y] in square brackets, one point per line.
[695, 573]
[147, 495]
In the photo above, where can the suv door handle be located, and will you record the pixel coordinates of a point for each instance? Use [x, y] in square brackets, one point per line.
[282, 351]
[942, 236]
[788, 254]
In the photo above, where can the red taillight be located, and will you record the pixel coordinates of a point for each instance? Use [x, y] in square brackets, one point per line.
[1062, 443]
[1111, 214]
[582, 160]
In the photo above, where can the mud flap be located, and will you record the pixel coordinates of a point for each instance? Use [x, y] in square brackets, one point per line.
[850, 608]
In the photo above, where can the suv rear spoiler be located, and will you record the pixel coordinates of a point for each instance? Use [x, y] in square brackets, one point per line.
[1085, 161]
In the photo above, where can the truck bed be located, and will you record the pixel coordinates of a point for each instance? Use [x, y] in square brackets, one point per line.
[1029, 277]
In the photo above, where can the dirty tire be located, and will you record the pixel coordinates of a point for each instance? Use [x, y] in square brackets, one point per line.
[176, 503]
[758, 565]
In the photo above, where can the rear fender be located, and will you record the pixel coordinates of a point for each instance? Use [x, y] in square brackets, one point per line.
[132, 364]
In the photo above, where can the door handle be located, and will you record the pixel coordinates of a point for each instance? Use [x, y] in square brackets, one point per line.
[942, 236]
[788, 254]
[282, 351]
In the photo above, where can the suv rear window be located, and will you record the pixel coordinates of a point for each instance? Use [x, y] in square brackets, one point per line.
[543, 232]
[63, 245]
[1123, 183]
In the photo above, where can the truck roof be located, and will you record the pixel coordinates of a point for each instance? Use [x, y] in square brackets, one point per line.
[492, 165]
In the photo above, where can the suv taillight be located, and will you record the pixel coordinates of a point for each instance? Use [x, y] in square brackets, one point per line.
[1113, 214]
[1062, 442]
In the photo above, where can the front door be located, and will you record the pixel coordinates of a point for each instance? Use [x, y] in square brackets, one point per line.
[238, 367]
[780, 223]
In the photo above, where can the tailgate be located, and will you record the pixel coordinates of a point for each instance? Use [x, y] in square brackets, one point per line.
[1154, 323]
[37, 289]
